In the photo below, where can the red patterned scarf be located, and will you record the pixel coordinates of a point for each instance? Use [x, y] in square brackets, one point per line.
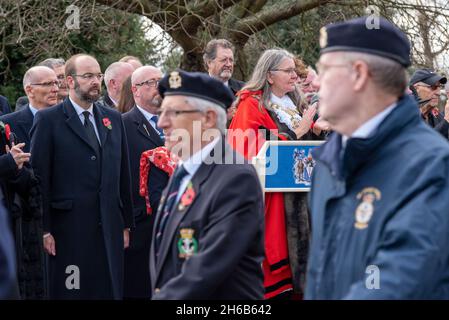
[159, 157]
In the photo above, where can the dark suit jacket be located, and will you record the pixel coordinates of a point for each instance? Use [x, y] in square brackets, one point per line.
[106, 101]
[23, 201]
[4, 106]
[226, 218]
[141, 137]
[8, 279]
[86, 198]
[235, 85]
[20, 123]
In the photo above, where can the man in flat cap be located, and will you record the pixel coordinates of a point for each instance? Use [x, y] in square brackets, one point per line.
[208, 238]
[379, 201]
[426, 87]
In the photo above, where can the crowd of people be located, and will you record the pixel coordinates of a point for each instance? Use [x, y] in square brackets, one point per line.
[147, 191]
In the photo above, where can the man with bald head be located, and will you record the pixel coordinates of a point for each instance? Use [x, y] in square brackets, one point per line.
[134, 61]
[41, 88]
[143, 134]
[114, 76]
[80, 157]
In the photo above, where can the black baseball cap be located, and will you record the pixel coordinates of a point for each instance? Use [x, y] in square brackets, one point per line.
[427, 76]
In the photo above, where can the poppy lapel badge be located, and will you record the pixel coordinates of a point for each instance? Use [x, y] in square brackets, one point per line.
[107, 123]
[187, 197]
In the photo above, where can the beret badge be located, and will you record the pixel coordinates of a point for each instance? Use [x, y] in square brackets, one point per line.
[174, 80]
[323, 37]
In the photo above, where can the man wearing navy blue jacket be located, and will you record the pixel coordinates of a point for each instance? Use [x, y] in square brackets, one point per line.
[8, 280]
[80, 156]
[143, 134]
[379, 201]
[4, 106]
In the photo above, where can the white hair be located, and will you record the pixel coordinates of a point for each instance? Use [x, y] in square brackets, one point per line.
[204, 105]
[112, 71]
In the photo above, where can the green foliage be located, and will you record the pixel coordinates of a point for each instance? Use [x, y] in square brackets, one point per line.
[105, 33]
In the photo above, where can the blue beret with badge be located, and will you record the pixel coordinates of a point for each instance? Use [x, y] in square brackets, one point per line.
[385, 39]
[196, 84]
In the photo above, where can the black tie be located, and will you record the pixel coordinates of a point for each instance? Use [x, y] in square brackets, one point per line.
[91, 132]
[172, 193]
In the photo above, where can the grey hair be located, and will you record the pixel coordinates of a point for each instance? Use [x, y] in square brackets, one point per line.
[210, 52]
[270, 59]
[52, 63]
[111, 71]
[204, 105]
[387, 74]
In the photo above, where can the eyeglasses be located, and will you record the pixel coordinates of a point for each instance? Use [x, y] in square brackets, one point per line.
[47, 84]
[290, 71]
[148, 83]
[432, 87]
[90, 76]
[61, 77]
[321, 67]
[171, 113]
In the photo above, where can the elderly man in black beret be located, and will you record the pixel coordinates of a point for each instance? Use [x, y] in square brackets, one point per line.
[379, 190]
[208, 238]
[426, 86]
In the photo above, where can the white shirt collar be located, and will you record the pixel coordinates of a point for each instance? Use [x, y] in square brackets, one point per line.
[365, 130]
[32, 109]
[113, 101]
[194, 162]
[79, 110]
[146, 114]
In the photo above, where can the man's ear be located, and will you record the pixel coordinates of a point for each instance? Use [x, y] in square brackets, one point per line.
[70, 82]
[210, 119]
[29, 90]
[360, 75]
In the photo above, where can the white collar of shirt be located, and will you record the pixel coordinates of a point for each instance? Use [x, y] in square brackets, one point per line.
[79, 110]
[32, 109]
[284, 101]
[146, 114]
[193, 163]
[113, 101]
[365, 130]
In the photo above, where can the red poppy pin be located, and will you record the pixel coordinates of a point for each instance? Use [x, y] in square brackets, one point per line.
[435, 112]
[107, 123]
[187, 197]
[7, 131]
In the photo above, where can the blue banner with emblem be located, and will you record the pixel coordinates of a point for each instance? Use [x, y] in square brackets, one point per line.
[286, 166]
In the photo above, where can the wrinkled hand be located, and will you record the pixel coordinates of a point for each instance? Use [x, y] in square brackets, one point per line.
[306, 121]
[321, 125]
[125, 238]
[50, 245]
[18, 155]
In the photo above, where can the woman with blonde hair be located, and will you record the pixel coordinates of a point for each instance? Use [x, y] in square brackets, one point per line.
[126, 101]
[270, 107]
